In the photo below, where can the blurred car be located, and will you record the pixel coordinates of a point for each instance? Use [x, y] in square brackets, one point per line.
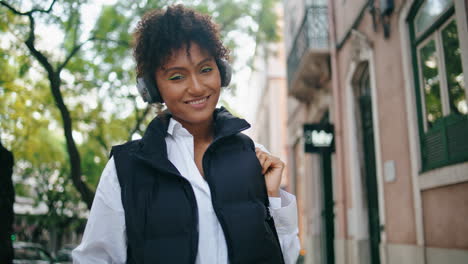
[31, 253]
[64, 255]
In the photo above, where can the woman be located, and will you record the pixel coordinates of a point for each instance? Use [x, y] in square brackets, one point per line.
[194, 189]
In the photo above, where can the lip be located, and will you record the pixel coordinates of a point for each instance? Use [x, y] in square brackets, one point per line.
[199, 102]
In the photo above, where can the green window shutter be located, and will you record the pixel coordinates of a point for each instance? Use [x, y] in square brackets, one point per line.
[457, 137]
[434, 148]
[446, 143]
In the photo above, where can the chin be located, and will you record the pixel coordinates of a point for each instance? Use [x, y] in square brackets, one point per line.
[201, 116]
[193, 117]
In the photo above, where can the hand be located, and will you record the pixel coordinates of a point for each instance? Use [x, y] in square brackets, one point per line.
[272, 168]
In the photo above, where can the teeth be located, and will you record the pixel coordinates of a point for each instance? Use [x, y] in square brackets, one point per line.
[198, 101]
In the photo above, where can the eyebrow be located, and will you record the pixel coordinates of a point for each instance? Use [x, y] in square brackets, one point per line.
[181, 68]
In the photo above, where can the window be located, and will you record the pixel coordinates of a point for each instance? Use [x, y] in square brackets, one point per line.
[428, 13]
[441, 90]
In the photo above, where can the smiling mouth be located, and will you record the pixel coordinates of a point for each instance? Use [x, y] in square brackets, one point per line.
[198, 101]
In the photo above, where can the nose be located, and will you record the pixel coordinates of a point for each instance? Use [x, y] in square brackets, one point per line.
[196, 87]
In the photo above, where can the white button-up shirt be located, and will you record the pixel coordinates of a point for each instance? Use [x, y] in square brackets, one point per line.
[105, 240]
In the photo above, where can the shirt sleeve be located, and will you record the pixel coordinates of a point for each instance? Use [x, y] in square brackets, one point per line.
[261, 147]
[284, 212]
[104, 240]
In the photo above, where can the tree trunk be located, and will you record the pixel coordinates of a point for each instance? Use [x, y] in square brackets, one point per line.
[7, 199]
[75, 161]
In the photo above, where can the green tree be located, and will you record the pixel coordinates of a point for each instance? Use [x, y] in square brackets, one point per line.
[82, 88]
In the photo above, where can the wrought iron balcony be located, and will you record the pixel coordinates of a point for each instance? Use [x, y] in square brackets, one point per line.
[308, 58]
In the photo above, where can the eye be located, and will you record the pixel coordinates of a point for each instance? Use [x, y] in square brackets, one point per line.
[206, 69]
[176, 77]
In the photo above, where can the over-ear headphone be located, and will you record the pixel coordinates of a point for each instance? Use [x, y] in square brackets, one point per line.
[150, 93]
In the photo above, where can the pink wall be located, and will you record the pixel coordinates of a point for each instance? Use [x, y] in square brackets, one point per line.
[346, 12]
[445, 212]
[390, 86]
[398, 195]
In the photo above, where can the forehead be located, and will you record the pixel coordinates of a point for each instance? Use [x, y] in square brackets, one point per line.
[186, 55]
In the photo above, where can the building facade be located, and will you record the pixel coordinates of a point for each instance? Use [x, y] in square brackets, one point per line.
[390, 76]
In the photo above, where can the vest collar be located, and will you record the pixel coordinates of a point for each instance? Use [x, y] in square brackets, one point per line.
[153, 149]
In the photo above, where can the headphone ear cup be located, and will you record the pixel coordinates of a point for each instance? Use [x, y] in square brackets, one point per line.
[148, 90]
[225, 72]
[157, 98]
[143, 90]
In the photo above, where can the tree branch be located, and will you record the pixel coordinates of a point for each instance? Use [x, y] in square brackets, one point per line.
[102, 143]
[72, 53]
[139, 120]
[12, 9]
[36, 53]
[30, 12]
[49, 9]
[79, 46]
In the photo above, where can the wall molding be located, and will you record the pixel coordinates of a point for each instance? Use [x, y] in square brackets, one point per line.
[357, 215]
[445, 255]
[403, 254]
[413, 134]
[444, 176]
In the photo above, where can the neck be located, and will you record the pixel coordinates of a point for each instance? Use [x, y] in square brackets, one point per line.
[200, 131]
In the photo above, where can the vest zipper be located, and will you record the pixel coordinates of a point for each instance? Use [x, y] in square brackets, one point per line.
[269, 217]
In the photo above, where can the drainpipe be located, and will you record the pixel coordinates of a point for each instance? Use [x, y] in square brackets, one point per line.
[338, 120]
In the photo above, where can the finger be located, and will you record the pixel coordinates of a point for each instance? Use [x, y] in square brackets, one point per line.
[261, 155]
[266, 165]
[262, 159]
[277, 163]
[257, 151]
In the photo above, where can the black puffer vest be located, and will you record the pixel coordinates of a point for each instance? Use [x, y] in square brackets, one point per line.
[160, 208]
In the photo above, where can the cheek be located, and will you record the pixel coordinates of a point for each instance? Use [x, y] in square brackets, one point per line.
[215, 82]
[164, 94]
[170, 92]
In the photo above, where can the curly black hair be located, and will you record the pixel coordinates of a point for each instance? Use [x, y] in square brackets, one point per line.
[162, 32]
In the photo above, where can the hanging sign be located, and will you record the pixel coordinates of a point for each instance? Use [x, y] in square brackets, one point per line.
[319, 138]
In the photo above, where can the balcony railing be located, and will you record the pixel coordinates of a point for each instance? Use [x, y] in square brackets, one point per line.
[313, 34]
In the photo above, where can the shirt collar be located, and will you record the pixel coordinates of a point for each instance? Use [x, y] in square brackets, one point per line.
[152, 147]
[225, 124]
[176, 129]
[171, 126]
